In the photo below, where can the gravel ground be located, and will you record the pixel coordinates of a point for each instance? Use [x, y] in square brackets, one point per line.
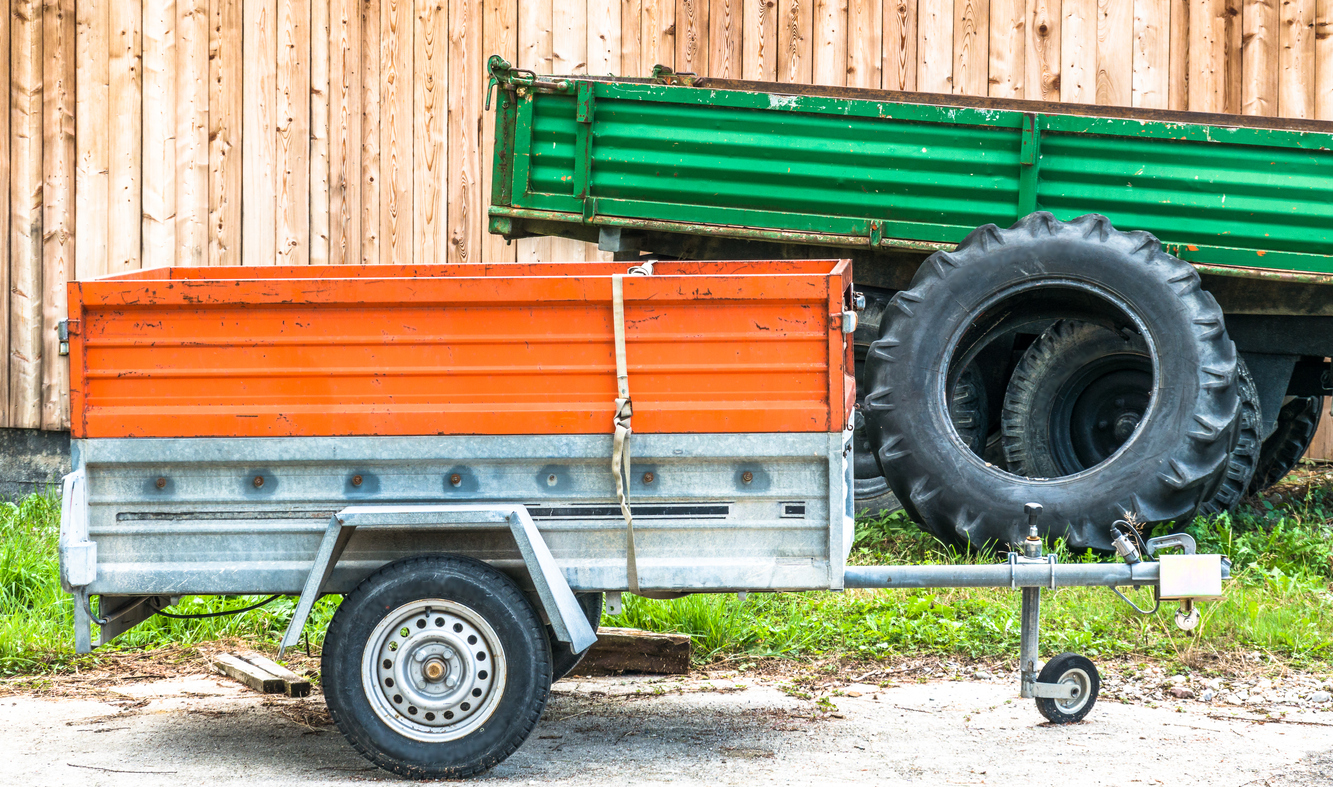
[945, 724]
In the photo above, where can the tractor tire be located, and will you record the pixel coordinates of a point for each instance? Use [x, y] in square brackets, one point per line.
[1245, 456]
[1027, 277]
[1297, 422]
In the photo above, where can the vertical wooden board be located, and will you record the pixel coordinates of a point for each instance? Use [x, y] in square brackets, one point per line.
[466, 202]
[1232, 71]
[372, 47]
[657, 25]
[191, 72]
[226, 21]
[1323, 99]
[830, 55]
[1296, 91]
[898, 71]
[1207, 53]
[1007, 50]
[25, 244]
[535, 41]
[500, 33]
[796, 41]
[259, 227]
[320, 42]
[6, 171]
[1152, 53]
[1259, 55]
[569, 36]
[971, 41]
[396, 80]
[865, 42]
[603, 45]
[292, 132]
[92, 130]
[724, 37]
[345, 62]
[935, 58]
[1178, 79]
[1041, 50]
[1078, 45]
[58, 98]
[759, 40]
[1115, 52]
[159, 132]
[631, 39]
[691, 35]
[569, 55]
[125, 143]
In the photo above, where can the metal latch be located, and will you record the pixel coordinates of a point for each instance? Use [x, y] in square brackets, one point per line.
[63, 330]
[663, 75]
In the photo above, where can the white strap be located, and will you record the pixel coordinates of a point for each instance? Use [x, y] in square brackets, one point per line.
[620, 458]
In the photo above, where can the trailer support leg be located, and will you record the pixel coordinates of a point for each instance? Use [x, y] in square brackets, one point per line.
[1029, 637]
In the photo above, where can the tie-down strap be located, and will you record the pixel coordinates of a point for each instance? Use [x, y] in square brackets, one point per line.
[620, 455]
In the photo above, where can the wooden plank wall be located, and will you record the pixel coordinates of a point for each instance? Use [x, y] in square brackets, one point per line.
[144, 133]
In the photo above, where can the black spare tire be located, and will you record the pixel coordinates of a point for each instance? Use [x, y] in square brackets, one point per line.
[999, 282]
[1297, 422]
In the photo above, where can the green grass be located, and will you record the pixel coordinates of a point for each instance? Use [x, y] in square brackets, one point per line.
[1280, 604]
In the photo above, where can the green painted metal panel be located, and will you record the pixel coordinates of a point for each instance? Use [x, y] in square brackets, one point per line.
[761, 163]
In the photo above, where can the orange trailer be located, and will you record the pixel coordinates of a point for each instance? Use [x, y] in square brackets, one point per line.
[486, 349]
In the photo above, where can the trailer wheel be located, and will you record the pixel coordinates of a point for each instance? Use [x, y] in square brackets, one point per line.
[563, 657]
[1297, 422]
[1069, 669]
[1001, 283]
[436, 667]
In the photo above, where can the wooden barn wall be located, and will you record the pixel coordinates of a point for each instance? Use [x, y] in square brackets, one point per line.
[143, 133]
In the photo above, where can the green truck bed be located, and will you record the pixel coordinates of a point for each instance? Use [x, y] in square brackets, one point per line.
[878, 170]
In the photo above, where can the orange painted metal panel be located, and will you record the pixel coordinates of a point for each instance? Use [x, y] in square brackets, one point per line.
[750, 346]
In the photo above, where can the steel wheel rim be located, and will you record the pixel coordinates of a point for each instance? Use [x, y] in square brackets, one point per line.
[442, 679]
[1082, 683]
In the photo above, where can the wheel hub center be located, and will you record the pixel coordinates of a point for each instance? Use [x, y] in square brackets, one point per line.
[434, 670]
[1125, 426]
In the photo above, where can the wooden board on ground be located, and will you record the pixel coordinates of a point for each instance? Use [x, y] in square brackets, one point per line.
[620, 650]
[261, 674]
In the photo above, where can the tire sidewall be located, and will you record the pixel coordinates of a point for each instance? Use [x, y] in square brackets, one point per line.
[491, 595]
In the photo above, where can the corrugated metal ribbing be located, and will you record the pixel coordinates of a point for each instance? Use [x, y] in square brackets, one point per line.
[753, 159]
[1202, 193]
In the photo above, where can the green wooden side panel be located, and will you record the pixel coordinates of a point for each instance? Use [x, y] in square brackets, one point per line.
[924, 174]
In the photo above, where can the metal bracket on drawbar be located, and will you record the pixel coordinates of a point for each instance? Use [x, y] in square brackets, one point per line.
[1015, 559]
[566, 617]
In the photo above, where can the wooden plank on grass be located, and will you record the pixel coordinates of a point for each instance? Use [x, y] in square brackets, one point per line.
[241, 670]
[293, 685]
[620, 650]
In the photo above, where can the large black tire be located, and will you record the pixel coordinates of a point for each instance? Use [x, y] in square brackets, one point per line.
[1297, 422]
[1244, 457]
[563, 657]
[458, 592]
[1031, 274]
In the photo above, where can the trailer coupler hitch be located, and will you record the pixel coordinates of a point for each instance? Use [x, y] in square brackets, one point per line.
[1065, 687]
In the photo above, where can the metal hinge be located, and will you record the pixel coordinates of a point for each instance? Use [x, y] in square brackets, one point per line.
[663, 75]
[64, 329]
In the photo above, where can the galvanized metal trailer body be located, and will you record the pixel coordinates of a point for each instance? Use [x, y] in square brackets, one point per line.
[456, 551]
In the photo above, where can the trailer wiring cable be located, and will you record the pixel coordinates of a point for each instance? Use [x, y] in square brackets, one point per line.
[223, 613]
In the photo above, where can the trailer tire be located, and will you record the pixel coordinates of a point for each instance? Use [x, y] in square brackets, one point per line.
[1038, 271]
[563, 657]
[1297, 422]
[465, 620]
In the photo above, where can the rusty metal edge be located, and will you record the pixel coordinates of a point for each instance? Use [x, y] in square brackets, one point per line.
[1241, 272]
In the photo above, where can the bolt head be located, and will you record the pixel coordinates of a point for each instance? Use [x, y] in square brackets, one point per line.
[648, 478]
[356, 480]
[259, 481]
[161, 483]
[456, 480]
[747, 476]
